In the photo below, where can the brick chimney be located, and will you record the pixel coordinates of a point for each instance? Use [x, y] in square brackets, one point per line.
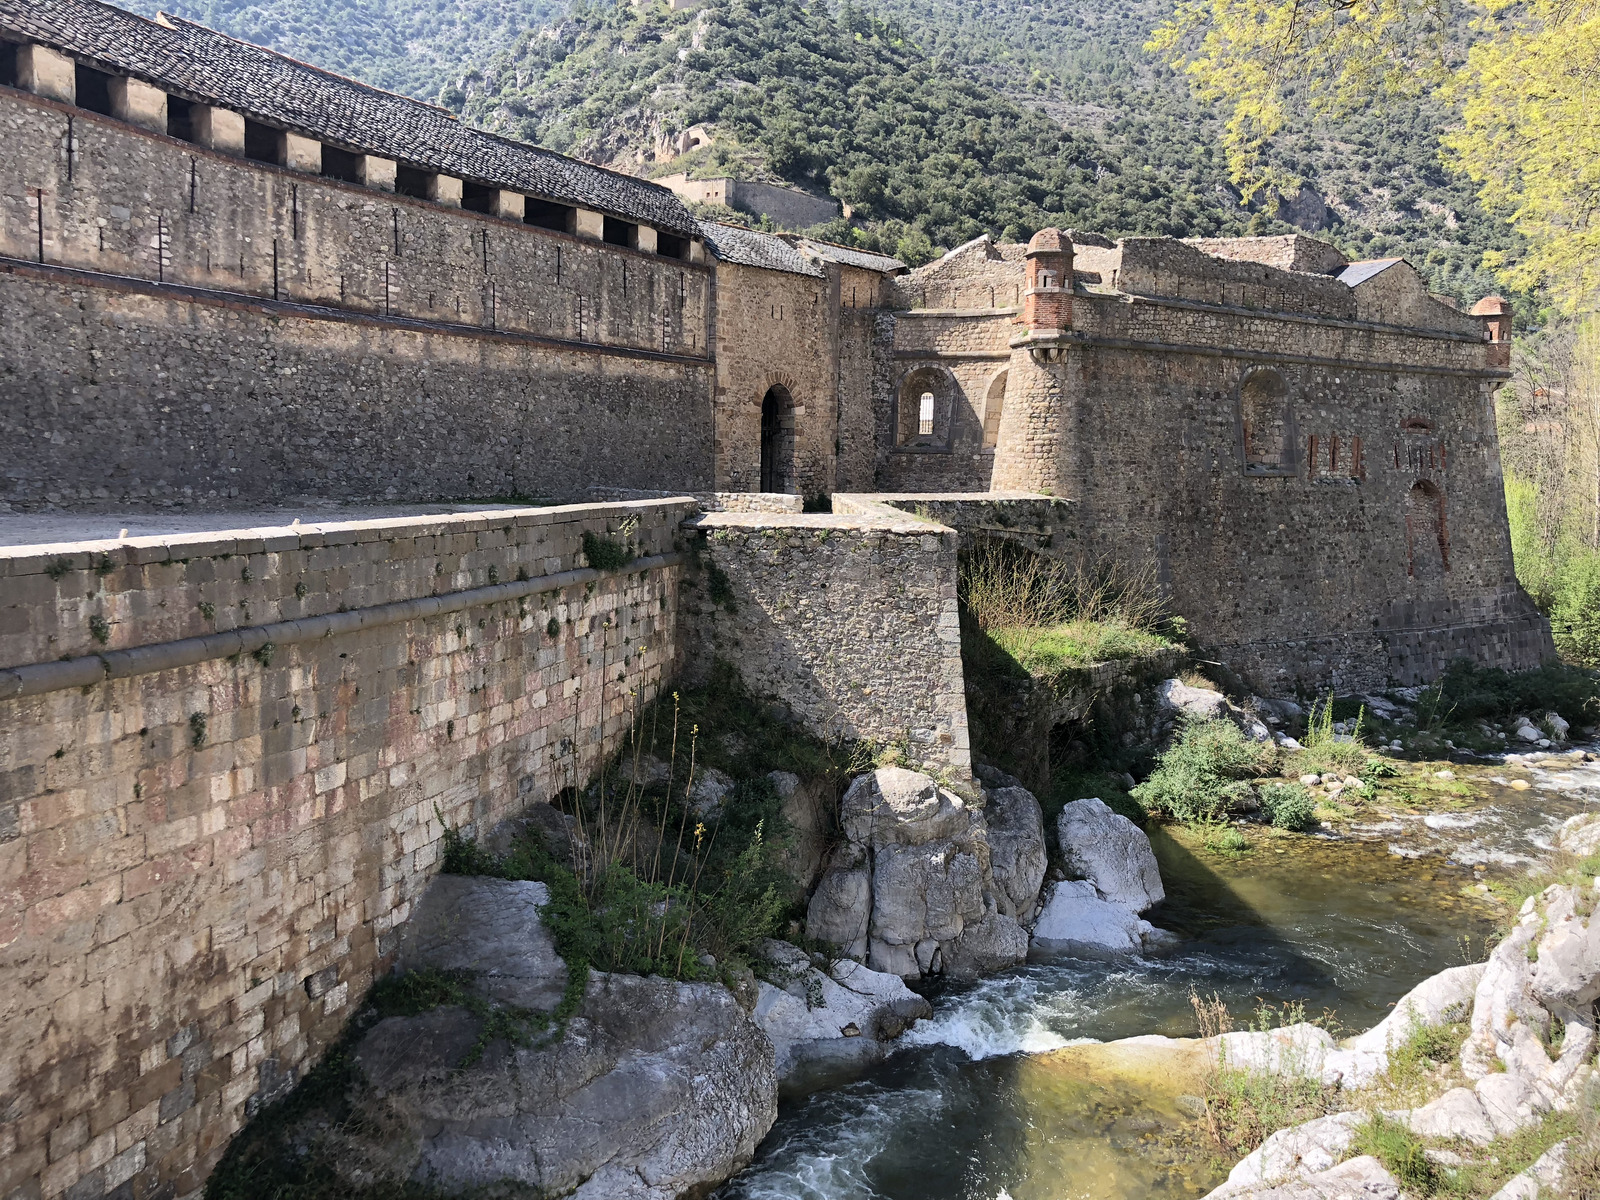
[1494, 314]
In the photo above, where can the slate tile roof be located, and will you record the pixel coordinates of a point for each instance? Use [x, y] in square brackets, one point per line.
[196, 63]
[752, 248]
[1360, 272]
[850, 257]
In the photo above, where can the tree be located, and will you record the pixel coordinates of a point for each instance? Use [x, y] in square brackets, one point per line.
[1524, 80]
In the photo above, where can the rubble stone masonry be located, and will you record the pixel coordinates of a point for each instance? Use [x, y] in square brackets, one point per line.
[849, 619]
[181, 324]
[228, 765]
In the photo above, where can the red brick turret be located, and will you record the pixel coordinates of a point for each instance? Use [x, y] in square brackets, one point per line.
[1494, 312]
[1047, 302]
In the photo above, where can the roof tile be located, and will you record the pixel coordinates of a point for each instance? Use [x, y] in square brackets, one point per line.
[192, 61]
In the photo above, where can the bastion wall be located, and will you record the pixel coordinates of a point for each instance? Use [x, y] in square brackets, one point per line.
[247, 332]
[229, 763]
[1310, 464]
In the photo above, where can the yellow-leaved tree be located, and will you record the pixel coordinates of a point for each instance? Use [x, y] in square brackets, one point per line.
[1524, 79]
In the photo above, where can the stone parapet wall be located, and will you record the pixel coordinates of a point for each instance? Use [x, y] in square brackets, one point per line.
[848, 620]
[1042, 523]
[1177, 327]
[205, 845]
[141, 395]
[121, 200]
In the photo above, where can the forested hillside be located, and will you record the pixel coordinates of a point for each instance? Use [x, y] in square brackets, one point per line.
[410, 46]
[935, 120]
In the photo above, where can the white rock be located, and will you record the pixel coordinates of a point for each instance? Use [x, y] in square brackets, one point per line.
[1528, 733]
[1111, 852]
[1543, 1178]
[813, 1006]
[1075, 920]
[1557, 725]
[1444, 774]
[1361, 1178]
[1289, 1050]
[1310, 780]
[492, 928]
[1017, 857]
[1290, 1154]
[1437, 1000]
[1177, 699]
[1456, 1114]
[896, 807]
[708, 791]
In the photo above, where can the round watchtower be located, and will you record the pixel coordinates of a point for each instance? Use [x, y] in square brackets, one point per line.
[1035, 449]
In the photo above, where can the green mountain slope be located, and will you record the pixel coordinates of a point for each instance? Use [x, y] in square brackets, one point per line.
[409, 46]
[841, 102]
[1083, 61]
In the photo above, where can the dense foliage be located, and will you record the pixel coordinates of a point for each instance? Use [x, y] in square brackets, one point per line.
[410, 46]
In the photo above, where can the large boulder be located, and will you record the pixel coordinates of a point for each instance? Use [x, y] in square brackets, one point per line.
[654, 1090]
[826, 1019]
[490, 927]
[807, 807]
[1437, 1000]
[1177, 701]
[1017, 858]
[1075, 920]
[1299, 1152]
[1580, 835]
[840, 911]
[912, 891]
[1111, 852]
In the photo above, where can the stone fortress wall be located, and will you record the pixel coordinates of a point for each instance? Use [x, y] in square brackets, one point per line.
[1309, 461]
[234, 312]
[231, 759]
[229, 762]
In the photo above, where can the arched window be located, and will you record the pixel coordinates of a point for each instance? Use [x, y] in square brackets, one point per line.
[777, 440]
[994, 401]
[1265, 432]
[1427, 538]
[926, 398]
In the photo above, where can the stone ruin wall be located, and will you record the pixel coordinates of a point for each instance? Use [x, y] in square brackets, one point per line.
[848, 619]
[250, 332]
[203, 857]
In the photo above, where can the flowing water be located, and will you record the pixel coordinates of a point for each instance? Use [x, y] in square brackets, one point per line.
[1004, 1092]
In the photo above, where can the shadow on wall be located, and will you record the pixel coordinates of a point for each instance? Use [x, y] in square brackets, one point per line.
[849, 621]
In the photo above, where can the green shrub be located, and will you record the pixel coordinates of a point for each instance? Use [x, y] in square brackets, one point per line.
[1288, 806]
[1468, 692]
[1203, 772]
[605, 553]
[1575, 615]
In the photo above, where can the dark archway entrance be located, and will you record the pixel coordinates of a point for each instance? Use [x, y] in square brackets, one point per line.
[777, 439]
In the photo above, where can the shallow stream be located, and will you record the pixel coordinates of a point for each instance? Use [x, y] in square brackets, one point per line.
[1003, 1093]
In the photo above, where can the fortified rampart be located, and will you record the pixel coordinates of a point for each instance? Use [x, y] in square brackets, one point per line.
[230, 759]
[849, 619]
[228, 764]
[1310, 462]
[241, 304]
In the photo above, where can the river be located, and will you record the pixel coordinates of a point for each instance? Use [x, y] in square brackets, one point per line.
[1001, 1094]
